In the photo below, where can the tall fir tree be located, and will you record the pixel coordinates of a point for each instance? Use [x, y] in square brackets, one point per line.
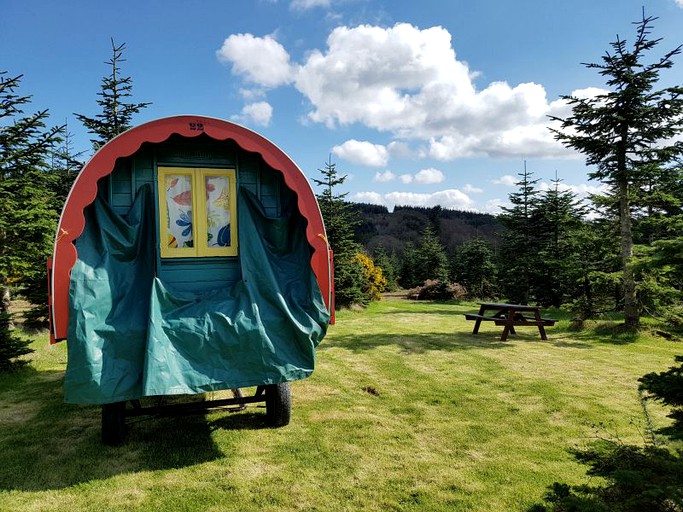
[389, 264]
[27, 223]
[409, 266]
[340, 220]
[425, 261]
[559, 217]
[628, 134]
[433, 263]
[50, 188]
[474, 268]
[519, 249]
[117, 113]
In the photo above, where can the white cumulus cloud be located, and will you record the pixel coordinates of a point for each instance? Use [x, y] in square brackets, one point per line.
[429, 176]
[260, 60]
[369, 197]
[362, 152]
[258, 113]
[406, 178]
[384, 177]
[507, 180]
[471, 189]
[452, 198]
[581, 190]
[494, 206]
[407, 82]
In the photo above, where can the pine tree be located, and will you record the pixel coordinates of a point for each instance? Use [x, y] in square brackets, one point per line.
[409, 266]
[597, 285]
[433, 262]
[25, 141]
[389, 265]
[628, 135]
[559, 217]
[27, 223]
[520, 245]
[340, 220]
[426, 261]
[117, 113]
[474, 268]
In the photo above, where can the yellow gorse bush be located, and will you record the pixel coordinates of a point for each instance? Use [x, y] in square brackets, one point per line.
[376, 283]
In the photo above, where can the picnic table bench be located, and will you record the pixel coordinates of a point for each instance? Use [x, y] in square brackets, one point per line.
[510, 316]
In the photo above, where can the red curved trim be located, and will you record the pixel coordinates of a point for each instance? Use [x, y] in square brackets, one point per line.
[84, 191]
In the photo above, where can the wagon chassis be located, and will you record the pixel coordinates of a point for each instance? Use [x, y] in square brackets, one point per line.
[277, 399]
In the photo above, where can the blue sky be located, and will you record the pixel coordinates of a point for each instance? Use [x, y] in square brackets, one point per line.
[423, 103]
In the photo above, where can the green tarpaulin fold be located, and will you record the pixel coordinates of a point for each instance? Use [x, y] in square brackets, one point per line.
[130, 336]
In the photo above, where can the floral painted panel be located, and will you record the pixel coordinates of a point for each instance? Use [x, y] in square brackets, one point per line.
[179, 207]
[217, 210]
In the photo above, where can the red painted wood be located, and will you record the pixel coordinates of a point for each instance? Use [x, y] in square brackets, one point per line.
[84, 191]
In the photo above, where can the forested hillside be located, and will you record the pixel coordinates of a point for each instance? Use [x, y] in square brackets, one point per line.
[393, 230]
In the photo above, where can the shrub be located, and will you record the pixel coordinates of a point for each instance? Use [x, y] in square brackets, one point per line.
[375, 282]
[434, 289]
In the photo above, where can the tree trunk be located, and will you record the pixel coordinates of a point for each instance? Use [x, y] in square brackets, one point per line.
[631, 313]
[5, 303]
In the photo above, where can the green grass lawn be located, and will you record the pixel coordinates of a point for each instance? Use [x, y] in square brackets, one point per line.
[407, 410]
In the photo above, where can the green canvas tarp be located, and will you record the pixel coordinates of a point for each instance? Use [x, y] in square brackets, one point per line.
[129, 336]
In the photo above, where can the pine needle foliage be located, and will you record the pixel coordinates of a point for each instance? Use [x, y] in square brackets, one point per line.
[28, 221]
[629, 135]
[117, 112]
[340, 220]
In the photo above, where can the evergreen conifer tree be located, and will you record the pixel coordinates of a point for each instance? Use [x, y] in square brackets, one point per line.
[340, 220]
[559, 217]
[410, 272]
[389, 265]
[117, 113]
[474, 268]
[519, 249]
[433, 262]
[27, 223]
[628, 134]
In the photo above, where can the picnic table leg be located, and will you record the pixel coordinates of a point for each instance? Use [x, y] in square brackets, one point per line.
[509, 328]
[541, 329]
[477, 323]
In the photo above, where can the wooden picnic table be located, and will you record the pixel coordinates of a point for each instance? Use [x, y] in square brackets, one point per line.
[510, 316]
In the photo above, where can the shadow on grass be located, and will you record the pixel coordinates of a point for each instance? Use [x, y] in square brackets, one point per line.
[432, 307]
[570, 344]
[420, 343]
[606, 332]
[416, 343]
[47, 444]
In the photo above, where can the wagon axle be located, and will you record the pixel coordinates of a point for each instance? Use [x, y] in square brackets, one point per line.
[277, 399]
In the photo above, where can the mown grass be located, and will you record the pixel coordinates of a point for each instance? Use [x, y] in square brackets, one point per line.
[407, 410]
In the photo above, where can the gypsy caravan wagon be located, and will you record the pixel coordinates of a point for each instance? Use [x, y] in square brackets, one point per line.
[190, 257]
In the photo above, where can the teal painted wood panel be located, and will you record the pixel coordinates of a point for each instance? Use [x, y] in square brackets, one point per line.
[199, 274]
[132, 172]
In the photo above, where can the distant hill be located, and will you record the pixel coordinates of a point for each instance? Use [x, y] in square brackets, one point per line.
[393, 230]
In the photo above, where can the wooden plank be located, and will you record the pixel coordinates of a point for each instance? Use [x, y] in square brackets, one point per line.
[472, 316]
[546, 321]
[523, 323]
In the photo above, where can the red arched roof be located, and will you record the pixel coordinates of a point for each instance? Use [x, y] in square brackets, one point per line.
[84, 191]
